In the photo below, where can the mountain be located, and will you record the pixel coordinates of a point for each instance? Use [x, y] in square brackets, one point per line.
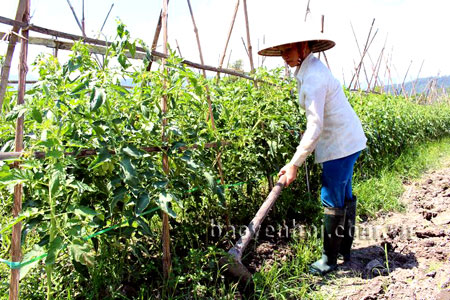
[422, 85]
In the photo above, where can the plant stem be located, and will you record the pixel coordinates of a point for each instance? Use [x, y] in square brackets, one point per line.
[49, 268]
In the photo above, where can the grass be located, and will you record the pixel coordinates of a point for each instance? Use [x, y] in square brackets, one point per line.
[381, 193]
[290, 279]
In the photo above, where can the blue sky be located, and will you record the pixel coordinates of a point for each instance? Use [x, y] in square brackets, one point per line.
[413, 30]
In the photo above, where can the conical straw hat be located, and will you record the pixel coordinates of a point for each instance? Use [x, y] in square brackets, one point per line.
[318, 40]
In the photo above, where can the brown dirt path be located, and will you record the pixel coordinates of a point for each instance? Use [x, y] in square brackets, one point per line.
[417, 245]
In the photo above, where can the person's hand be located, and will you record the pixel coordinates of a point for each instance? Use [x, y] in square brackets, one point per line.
[290, 171]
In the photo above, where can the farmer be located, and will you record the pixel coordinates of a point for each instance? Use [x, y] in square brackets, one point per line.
[334, 131]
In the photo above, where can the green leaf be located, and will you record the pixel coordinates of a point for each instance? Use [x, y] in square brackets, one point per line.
[46, 90]
[97, 98]
[118, 195]
[143, 226]
[36, 115]
[81, 251]
[17, 112]
[80, 187]
[160, 184]
[55, 246]
[129, 171]
[79, 88]
[132, 49]
[133, 152]
[210, 179]
[102, 157]
[123, 91]
[163, 202]
[35, 252]
[84, 211]
[123, 60]
[120, 29]
[142, 203]
[54, 153]
[54, 183]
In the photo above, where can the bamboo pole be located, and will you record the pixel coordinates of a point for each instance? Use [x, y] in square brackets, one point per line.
[9, 53]
[417, 78]
[76, 18]
[202, 62]
[245, 47]
[360, 53]
[222, 58]
[16, 251]
[366, 48]
[156, 37]
[167, 261]
[307, 10]
[324, 55]
[249, 43]
[107, 16]
[178, 48]
[83, 24]
[211, 116]
[374, 69]
[404, 78]
[229, 58]
[377, 70]
[92, 41]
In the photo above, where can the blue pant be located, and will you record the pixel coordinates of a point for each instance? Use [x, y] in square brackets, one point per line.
[337, 181]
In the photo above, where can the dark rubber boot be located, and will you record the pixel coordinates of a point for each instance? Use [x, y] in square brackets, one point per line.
[333, 233]
[349, 229]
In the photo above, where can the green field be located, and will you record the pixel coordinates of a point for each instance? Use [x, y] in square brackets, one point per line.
[70, 196]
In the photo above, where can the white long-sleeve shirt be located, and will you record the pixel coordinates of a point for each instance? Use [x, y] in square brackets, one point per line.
[333, 129]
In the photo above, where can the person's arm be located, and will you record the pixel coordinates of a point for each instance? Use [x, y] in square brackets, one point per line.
[314, 92]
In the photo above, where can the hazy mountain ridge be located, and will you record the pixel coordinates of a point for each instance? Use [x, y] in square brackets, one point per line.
[422, 85]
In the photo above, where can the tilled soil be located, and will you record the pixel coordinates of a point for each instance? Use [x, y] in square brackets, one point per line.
[401, 255]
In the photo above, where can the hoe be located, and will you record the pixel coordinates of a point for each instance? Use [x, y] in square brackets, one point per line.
[232, 262]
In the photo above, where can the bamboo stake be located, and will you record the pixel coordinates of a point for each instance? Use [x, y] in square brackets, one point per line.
[245, 47]
[229, 58]
[55, 50]
[74, 37]
[404, 78]
[366, 47]
[9, 53]
[324, 55]
[374, 70]
[167, 261]
[417, 78]
[307, 10]
[16, 251]
[156, 37]
[377, 70]
[359, 51]
[107, 16]
[378, 66]
[202, 62]
[249, 43]
[222, 58]
[83, 25]
[178, 47]
[361, 64]
[76, 18]
[211, 116]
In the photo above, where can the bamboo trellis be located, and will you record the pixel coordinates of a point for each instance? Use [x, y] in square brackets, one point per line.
[95, 46]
